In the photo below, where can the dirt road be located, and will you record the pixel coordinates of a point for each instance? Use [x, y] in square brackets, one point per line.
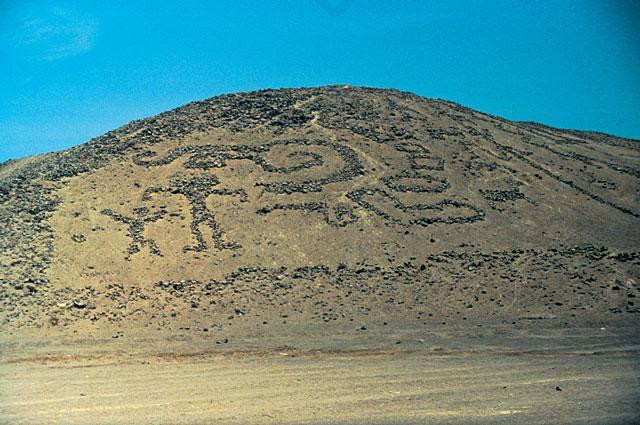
[570, 381]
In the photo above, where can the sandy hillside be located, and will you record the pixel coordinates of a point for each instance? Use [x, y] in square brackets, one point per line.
[268, 221]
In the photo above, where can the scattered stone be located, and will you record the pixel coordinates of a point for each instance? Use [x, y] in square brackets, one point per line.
[79, 303]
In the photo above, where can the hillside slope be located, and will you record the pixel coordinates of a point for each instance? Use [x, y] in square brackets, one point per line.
[318, 205]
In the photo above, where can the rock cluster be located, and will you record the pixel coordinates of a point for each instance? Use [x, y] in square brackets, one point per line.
[444, 286]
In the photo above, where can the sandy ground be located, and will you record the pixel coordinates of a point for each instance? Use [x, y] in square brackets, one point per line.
[512, 376]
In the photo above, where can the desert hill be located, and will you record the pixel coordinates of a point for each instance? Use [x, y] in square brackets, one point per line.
[331, 204]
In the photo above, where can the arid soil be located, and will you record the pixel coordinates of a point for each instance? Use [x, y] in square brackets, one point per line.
[266, 241]
[410, 375]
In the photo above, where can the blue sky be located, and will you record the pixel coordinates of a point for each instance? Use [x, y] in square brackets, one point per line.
[70, 70]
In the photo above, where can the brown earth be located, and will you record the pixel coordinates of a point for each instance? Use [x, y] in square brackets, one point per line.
[403, 374]
[327, 221]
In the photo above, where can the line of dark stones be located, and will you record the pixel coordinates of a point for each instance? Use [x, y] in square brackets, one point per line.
[497, 196]
[344, 215]
[508, 149]
[358, 196]
[458, 264]
[215, 156]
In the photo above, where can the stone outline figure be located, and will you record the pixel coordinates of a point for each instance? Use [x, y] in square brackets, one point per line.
[197, 190]
[205, 157]
[136, 229]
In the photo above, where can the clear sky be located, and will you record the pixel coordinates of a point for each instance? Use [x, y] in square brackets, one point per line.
[70, 70]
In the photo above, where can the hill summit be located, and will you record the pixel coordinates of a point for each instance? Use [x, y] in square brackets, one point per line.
[321, 204]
